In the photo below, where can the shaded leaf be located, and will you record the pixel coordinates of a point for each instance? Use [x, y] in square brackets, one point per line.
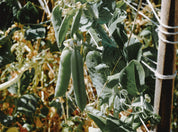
[100, 121]
[25, 80]
[6, 56]
[130, 78]
[8, 10]
[120, 36]
[106, 40]
[28, 14]
[35, 32]
[133, 52]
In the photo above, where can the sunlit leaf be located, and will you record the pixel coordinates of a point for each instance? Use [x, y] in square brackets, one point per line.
[64, 27]
[93, 59]
[56, 20]
[76, 22]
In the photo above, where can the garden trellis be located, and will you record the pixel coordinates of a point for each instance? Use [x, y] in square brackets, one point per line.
[166, 61]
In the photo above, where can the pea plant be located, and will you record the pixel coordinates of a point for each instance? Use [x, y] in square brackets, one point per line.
[77, 68]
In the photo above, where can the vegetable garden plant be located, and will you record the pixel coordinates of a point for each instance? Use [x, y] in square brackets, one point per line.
[78, 68]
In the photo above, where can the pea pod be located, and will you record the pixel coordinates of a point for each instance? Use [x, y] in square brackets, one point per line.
[78, 79]
[64, 73]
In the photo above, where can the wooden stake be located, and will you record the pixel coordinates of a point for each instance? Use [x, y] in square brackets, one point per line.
[166, 66]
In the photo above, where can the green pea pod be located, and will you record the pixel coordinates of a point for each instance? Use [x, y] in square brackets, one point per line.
[64, 73]
[78, 79]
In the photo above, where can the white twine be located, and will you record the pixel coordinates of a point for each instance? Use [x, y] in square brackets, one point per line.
[165, 32]
[158, 19]
[158, 75]
[161, 24]
[166, 41]
[141, 13]
[154, 62]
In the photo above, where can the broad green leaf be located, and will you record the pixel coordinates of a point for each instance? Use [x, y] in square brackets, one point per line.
[106, 40]
[121, 5]
[25, 80]
[127, 79]
[116, 27]
[110, 124]
[76, 22]
[28, 14]
[64, 27]
[113, 25]
[102, 11]
[154, 35]
[113, 125]
[94, 36]
[93, 60]
[35, 32]
[120, 36]
[109, 5]
[6, 56]
[98, 72]
[8, 10]
[56, 20]
[130, 78]
[135, 125]
[104, 15]
[133, 52]
[116, 125]
[111, 55]
[100, 121]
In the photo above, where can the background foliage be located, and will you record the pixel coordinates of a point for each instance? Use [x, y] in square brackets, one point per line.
[119, 87]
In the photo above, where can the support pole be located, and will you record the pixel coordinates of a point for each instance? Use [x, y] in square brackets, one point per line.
[166, 66]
